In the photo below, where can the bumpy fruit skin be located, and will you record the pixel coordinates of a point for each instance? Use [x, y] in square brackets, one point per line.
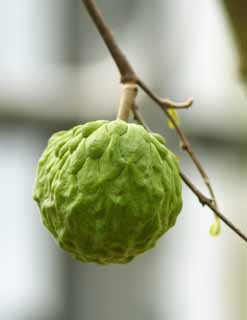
[107, 190]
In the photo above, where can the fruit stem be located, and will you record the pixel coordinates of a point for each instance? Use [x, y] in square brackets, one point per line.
[127, 101]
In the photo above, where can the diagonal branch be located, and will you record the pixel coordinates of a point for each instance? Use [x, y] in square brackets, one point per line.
[209, 203]
[185, 144]
[124, 67]
[201, 197]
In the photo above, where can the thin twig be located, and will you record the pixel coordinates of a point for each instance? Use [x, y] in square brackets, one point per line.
[169, 104]
[139, 118]
[164, 103]
[128, 75]
[185, 144]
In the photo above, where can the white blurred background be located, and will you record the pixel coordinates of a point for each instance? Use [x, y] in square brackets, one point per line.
[54, 73]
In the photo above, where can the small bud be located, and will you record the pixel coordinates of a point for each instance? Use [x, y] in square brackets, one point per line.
[173, 113]
[215, 228]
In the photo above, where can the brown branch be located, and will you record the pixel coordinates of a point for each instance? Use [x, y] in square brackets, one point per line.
[164, 103]
[185, 144]
[124, 67]
[209, 203]
[128, 75]
[201, 197]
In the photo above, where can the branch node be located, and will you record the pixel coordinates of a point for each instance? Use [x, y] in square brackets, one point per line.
[128, 78]
[183, 146]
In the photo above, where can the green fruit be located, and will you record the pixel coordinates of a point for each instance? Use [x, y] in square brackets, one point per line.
[107, 190]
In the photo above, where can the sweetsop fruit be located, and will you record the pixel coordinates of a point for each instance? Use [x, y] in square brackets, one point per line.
[107, 190]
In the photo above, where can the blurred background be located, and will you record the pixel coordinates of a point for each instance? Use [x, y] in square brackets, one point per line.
[55, 73]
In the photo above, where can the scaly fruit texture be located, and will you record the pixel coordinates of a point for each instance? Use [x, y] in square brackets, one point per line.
[107, 190]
